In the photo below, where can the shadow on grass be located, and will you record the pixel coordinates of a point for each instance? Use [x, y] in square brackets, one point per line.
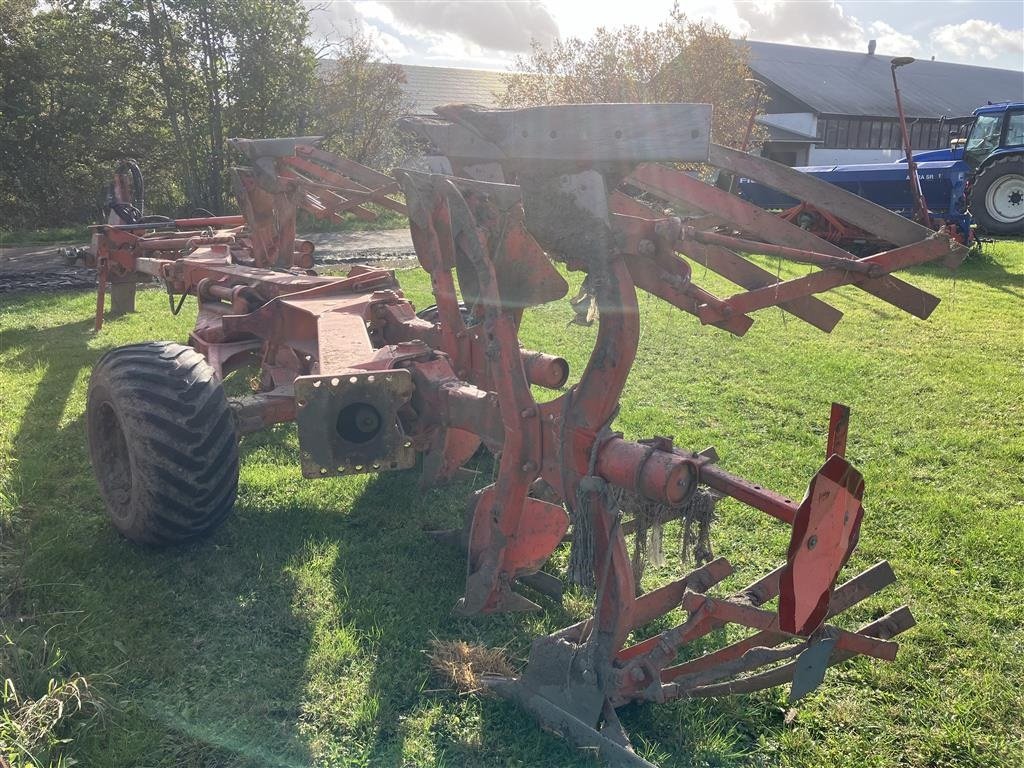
[64, 352]
[243, 651]
[399, 586]
[984, 268]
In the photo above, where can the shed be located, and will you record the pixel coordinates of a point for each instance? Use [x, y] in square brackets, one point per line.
[843, 101]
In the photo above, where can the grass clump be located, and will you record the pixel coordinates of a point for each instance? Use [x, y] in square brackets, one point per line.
[463, 666]
[49, 236]
[386, 219]
[44, 704]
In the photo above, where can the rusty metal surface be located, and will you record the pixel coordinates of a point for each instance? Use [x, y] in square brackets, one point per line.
[348, 422]
[372, 385]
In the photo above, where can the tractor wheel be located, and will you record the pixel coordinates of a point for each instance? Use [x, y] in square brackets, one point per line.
[162, 442]
[997, 196]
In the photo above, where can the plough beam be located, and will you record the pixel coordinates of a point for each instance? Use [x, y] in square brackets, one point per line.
[514, 199]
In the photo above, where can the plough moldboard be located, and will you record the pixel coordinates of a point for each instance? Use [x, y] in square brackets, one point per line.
[373, 386]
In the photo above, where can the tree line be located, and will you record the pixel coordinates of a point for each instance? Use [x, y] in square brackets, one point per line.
[85, 84]
[680, 60]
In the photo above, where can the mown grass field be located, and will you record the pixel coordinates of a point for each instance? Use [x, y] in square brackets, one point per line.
[296, 636]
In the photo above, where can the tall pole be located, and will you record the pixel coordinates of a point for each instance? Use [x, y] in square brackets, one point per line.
[920, 206]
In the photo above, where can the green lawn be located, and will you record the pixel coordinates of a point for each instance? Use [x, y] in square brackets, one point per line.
[296, 635]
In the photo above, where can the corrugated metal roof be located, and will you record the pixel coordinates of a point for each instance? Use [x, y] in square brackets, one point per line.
[848, 83]
[428, 87]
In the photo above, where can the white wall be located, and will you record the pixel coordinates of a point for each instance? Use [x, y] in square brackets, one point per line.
[801, 122]
[821, 156]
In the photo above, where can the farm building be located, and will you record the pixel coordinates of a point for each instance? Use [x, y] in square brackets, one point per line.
[826, 107]
[426, 87]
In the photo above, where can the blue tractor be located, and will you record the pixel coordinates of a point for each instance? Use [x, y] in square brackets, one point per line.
[979, 179]
[993, 152]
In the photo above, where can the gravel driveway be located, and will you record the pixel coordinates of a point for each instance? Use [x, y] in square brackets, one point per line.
[40, 268]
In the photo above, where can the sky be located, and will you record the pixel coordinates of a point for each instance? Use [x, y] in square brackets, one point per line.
[488, 34]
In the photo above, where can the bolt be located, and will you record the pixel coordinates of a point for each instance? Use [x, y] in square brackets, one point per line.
[529, 467]
[528, 412]
[812, 542]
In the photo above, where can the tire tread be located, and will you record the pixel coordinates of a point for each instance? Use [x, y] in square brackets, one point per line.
[180, 437]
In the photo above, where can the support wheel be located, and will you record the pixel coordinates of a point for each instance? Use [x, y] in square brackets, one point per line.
[162, 442]
[997, 196]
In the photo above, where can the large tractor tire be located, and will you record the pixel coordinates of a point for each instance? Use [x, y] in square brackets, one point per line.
[162, 442]
[997, 196]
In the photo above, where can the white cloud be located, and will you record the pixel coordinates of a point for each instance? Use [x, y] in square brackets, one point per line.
[975, 38]
[374, 10]
[500, 25]
[454, 51]
[820, 24]
[331, 20]
[392, 47]
[891, 41]
[487, 33]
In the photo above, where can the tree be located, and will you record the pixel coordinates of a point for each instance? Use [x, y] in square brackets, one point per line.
[227, 68]
[86, 83]
[361, 97]
[73, 101]
[679, 61]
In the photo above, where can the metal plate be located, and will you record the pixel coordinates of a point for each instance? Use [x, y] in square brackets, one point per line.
[825, 533]
[810, 668]
[348, 422]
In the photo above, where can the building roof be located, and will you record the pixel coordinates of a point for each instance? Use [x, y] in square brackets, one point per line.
[847, 83]
[428, 87]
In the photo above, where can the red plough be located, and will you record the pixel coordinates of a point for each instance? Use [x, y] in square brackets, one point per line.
[372, 386]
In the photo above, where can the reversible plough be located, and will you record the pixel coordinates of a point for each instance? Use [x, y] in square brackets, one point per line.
[373, 386]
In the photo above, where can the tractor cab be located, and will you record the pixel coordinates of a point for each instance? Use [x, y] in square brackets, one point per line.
[996, 127]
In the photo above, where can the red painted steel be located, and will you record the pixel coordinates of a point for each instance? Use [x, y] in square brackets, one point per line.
[490, 246]
[838, 429]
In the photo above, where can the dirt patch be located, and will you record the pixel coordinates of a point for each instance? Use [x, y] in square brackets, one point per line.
[56, 279]
[35, 268]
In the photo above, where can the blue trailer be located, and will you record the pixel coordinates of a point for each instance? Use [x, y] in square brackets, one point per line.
[981, 181]
[943, 183]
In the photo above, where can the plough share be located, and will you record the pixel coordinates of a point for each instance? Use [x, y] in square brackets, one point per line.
[373, 386]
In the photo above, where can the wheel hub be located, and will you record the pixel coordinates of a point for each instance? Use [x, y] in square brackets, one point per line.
[1004, 200]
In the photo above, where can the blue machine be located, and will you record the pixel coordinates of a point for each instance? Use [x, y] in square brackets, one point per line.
[943, 183]
[994, 151]
[983, 176]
